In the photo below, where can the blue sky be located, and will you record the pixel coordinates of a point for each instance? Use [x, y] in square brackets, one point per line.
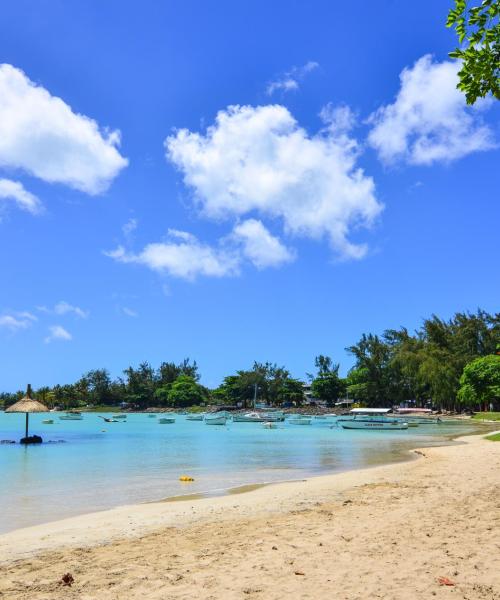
[334, 198]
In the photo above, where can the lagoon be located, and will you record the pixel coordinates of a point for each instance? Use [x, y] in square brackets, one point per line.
[101, 465]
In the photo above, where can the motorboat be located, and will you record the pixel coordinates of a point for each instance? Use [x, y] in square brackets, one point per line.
[216, 420]
[196, 417]
[119, 416]
[48, 421]
[274, 415]
[252, 417]
[71, 416]
[110, 419]
[371, 418]
[270, 425]
[166, 420]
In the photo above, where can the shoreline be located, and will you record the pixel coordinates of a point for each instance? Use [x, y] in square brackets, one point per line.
[402, 527]
[65, 532]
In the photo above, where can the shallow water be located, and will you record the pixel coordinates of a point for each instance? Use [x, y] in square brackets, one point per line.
[102, 465]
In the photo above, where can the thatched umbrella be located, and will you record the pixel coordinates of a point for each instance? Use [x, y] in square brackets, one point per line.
[27, 405]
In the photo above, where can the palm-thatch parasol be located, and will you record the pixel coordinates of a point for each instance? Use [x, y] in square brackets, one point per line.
[27, 405]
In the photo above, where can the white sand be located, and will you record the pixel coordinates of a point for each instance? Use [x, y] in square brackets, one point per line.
[386, 532]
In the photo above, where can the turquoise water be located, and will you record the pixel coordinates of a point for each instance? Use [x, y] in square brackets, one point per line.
[102, 465]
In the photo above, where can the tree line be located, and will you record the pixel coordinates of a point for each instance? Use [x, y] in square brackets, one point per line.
[448, 364]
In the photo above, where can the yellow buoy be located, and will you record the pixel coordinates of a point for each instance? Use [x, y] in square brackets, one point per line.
[186, 478]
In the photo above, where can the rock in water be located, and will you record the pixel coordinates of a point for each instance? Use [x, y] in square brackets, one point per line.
[31, 439]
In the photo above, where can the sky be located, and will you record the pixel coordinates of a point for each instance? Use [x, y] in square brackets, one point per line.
[234, 181]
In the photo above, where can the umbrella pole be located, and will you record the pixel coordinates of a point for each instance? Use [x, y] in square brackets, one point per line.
[27, 418]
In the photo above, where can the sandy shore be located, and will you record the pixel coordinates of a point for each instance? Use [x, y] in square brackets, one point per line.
[387, 532]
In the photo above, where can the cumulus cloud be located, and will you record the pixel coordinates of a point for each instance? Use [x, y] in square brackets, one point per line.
[258, 159]
[17, 321]
[183, 256]
[429, 121]
[41, 135]
[260, 246]
[15, 192]
[58, 333]
[291, 79]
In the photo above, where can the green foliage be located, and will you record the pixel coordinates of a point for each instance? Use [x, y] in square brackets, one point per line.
[478, 31]
[185, 391]
[327, 385]
[480, 381]
[494, 437]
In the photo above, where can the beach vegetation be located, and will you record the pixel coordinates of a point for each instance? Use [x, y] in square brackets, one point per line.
[450, 365]
[487, 416]
[494, 437]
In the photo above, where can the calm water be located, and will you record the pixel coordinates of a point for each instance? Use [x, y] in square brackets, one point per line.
[102, 465]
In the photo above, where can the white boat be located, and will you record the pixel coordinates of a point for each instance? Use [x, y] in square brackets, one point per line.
[270, 425]
[251, 417]
[166, 420]
[215, 420]
[300, 421]
[371, 418]
[198, 417]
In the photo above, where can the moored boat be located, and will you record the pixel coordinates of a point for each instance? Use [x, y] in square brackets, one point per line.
[48, 421]
[197, 417]
[371, 418]
[216, 420]
[71, 417]
[252, 417]
[166, 420]
[119, 416]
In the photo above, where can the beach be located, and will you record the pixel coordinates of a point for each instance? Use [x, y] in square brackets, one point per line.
[385, 532]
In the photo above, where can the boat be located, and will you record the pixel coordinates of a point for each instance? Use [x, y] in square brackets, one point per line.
[153, 416]
[299, 420]
[270, 425]
[252, 417]
[166, 420]
[48, 421]
[109, 419]
[274, 415]
[119, 416]
[371, 418]
[194, 417]
[71, 416]
[221, 420]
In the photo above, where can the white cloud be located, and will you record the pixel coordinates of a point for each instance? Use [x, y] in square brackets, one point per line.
[429, 121]
[129, 312]
[14, 191]
[183, 255]
[64, 308]
[129, 227]
[41, 135]
[259, 159]
[58, 333]
[291, 79]
[17, 321]
[259, 246]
